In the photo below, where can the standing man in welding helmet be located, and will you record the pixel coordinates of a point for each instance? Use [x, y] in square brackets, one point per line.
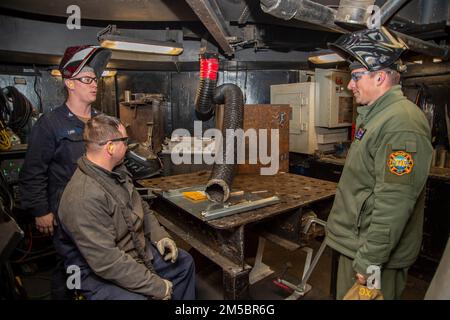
[377, 216]
[56, 140]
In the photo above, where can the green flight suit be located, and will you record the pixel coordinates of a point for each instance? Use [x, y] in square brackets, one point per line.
[377, 215]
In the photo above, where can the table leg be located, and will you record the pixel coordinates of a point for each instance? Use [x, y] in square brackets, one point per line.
[236, 285]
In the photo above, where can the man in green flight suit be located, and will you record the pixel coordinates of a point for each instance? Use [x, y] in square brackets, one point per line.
[377, 216]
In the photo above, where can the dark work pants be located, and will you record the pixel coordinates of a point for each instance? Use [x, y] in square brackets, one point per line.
[58, 287]
[59, 290]
[181, 274]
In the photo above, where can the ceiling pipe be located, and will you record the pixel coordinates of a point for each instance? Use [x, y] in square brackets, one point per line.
[424, 47]
[209, 14]
[390, 8]
[318, 14]
[353, 14]
[303, 10]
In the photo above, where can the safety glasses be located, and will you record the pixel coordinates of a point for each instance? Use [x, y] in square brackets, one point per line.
[356, 76]
[125, 140]
[86, 80]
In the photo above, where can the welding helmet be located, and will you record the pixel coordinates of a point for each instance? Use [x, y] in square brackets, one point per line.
[374, 49]
[78, 57]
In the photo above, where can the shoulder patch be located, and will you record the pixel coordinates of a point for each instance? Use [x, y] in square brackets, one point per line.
[400, 163]
[360, 133]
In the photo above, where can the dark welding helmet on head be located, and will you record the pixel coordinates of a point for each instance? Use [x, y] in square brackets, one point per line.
[78, 57]
[373, 49]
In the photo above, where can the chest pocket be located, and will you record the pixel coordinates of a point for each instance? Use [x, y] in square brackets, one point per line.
[359, 161]
[399, 166]
[74, 134]
[138, 211]
[70, 146]
[127, 210]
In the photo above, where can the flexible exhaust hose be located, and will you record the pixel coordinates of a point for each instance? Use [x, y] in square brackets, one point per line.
[219, 184]
[209, 65]
[221, 179]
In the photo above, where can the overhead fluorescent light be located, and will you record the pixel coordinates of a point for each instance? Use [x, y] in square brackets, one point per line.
[437, 60]
[55, 73]
[326, 58]
[109, 73]
[117, 42]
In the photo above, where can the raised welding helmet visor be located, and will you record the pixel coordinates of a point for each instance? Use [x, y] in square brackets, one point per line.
[77, 57]
[375, 49]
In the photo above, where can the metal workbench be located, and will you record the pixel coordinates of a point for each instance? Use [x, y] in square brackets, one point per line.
[222, 240]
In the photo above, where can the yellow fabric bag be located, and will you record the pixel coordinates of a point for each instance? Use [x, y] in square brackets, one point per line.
[360, 292]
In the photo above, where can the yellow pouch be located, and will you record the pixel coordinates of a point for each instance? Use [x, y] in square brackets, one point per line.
[360, 292]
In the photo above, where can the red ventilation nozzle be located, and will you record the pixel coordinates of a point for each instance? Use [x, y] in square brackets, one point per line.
[209, 68]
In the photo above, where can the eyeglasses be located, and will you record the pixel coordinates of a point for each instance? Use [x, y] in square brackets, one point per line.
[125, 140]
[86, 80]
[356, 76]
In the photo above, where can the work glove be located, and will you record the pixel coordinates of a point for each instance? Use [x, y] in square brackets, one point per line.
[169, 244]
[169, 288]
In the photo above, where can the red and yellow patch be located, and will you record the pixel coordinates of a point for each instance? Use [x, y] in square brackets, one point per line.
[400, 163]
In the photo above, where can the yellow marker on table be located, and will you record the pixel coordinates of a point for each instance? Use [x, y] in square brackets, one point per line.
[195, 195]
